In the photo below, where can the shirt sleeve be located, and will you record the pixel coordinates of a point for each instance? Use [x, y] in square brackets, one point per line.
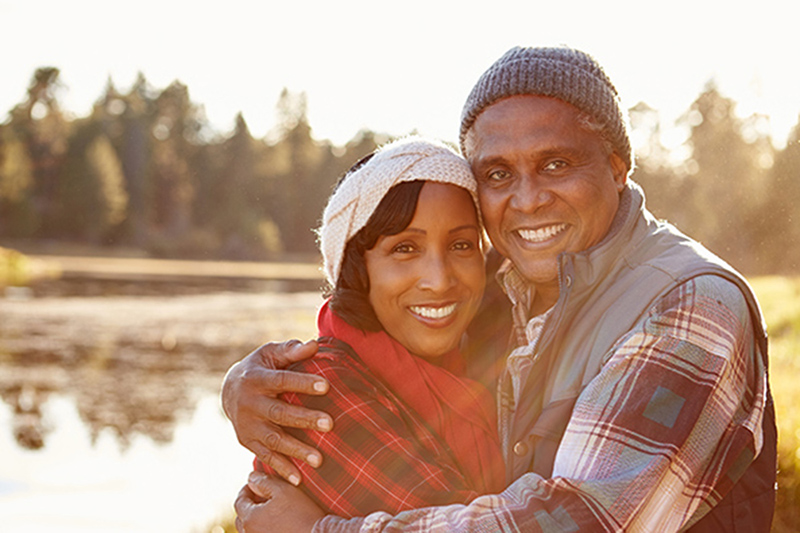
[374, 458]
[667, 427]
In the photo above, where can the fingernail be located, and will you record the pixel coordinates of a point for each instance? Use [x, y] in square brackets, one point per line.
[313, 460]
[320, 386]
[324, 424]
[294, 480]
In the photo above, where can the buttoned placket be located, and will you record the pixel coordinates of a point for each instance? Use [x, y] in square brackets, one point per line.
[526, 335]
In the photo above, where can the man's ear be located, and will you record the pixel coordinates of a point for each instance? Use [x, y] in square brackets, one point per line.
[619, 169]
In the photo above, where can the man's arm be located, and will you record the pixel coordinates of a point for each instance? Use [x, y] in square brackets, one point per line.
[267, 504]
[656, 434]
[249, 399]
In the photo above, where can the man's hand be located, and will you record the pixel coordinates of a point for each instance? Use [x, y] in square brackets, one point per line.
[268, 504]
[249, 399]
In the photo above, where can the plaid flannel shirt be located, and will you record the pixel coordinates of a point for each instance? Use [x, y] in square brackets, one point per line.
[380, 454]
[674, 414]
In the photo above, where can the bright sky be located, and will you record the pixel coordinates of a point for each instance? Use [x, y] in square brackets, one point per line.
[400, 66]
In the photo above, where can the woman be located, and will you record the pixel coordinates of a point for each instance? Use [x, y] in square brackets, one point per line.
[402, 247]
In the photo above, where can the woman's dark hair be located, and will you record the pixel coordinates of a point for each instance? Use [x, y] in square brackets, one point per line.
[350, 296]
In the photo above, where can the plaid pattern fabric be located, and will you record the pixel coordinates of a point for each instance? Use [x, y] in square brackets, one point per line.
[665, 429]
[380, 455]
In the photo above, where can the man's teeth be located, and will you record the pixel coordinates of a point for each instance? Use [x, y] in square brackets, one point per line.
[433, 312]
[542, 234]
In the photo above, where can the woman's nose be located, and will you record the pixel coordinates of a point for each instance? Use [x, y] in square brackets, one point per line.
[437, 274]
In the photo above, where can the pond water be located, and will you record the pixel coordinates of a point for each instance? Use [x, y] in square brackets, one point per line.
[110, 419]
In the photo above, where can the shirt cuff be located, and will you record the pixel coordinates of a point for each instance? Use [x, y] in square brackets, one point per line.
[336, 524]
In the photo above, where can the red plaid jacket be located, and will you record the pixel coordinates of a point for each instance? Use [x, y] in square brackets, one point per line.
[380, 456]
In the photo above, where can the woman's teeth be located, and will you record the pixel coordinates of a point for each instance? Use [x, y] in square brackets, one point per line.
[433, 312]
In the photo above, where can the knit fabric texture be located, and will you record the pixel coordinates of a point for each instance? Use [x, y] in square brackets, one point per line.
[564, 73]
[359, 193]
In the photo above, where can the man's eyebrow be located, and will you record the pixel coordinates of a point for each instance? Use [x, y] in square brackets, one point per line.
[490, 159]
[562, 150]
[549, 151]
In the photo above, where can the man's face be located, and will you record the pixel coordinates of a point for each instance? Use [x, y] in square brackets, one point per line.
[546, 185]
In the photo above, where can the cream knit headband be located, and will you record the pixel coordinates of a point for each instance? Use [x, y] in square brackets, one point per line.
[357, 197]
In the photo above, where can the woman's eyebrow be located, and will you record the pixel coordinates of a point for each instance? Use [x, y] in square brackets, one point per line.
[465, 226]
[422, 231]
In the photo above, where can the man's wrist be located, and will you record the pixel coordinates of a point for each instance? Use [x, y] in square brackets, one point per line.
[337, 524]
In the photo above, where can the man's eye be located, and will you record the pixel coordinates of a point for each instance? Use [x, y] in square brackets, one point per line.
[556, 164]
[498, 175]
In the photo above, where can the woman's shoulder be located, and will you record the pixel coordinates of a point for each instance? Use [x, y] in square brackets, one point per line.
[335, 361]
[351, 383]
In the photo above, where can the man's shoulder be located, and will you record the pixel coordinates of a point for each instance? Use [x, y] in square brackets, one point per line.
[709, 295]
[722, 290]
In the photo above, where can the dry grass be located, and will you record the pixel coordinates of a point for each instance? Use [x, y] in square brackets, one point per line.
[780, 301]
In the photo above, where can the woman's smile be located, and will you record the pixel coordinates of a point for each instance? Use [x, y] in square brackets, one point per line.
[433, 312]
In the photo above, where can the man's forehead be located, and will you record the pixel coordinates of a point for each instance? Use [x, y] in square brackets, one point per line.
[534, 114]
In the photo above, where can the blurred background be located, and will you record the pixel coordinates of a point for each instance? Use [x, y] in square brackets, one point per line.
[162, 165]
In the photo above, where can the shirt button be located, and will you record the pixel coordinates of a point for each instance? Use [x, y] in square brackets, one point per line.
[568, 281]
[520, 449]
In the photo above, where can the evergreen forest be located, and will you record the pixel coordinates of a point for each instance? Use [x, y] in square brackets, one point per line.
[145, 170]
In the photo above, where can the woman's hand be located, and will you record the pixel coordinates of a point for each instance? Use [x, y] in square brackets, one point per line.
[269, 504]
[249, 399]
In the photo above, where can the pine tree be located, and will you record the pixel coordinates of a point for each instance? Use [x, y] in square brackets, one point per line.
[781, 227]
[725, 193]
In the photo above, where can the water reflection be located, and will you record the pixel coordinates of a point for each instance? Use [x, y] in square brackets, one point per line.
[133, 368]
[83, 486]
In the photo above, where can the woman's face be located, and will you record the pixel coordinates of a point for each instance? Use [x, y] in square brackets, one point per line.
[427, 281]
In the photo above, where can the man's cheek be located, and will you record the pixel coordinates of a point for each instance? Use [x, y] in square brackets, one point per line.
[492, 217]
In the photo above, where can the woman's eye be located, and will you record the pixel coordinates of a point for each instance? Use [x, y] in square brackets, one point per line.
[403, 248]
[463, 245]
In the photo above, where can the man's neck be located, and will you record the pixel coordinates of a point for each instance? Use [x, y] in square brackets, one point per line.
[544, 298]
[540, 306]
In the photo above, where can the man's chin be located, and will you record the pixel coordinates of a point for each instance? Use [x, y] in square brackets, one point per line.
[535, 268]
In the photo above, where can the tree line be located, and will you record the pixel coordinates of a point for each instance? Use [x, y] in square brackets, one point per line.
[144, 169]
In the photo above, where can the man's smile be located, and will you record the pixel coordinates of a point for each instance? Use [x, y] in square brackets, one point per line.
[540, 235]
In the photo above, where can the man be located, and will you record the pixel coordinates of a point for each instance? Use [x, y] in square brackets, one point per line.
[635, 396]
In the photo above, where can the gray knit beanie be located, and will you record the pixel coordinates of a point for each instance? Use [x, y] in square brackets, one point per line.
[564, 73]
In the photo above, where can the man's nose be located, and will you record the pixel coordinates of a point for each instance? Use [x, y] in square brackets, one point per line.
[530, 193]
